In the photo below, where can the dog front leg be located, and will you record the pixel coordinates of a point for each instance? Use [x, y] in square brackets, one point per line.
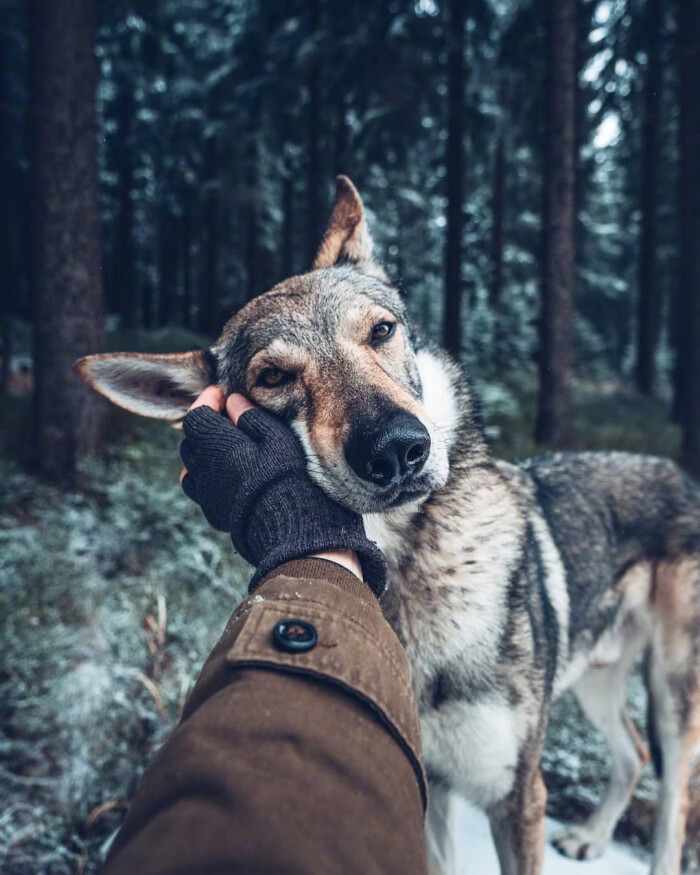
[517, 825]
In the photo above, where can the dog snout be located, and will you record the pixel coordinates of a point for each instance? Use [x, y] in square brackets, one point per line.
[390, 451]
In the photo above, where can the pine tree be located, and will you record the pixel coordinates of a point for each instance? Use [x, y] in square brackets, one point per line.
[649, 302]
[68, 416]
[556, 356]
[452, 324]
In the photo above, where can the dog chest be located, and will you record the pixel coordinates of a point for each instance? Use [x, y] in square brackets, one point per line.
[474, 748]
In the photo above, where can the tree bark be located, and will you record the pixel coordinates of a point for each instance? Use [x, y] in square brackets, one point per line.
[340, 146]
[252, 254]
[68, 416]
[314, 179]
[210, 291]
[186, 256]
[556, 359]
[497, 241]
[288, 223]
[690, 232]
[125, 291]
[649, 302]
[688, 167]
[8, 219]
[498, 213]
[452, 327]
[167, 265]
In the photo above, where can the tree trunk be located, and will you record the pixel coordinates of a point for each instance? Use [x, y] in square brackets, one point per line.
[498, 212]
[68, 415]
[8, 219]
[253, 259]
[167, 266]
[452, 327]
[5, 348]
[314, 191]
[554, 415]
[690, 234]
[125, 292]
[497, 238]
[288, 224]
[209, 294]
[649, 303]
[186, 255]
[340, 146]
[252, 256]
[688, 167]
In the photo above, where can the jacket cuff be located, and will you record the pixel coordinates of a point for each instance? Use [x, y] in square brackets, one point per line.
[356, 648]
[315, 568]
[374, 567]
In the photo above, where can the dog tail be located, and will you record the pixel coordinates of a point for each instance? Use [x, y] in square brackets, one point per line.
[652, 728]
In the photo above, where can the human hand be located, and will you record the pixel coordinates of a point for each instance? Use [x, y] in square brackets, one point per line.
[248, 474]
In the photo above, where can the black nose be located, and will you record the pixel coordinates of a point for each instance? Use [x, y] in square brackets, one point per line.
[389, 450]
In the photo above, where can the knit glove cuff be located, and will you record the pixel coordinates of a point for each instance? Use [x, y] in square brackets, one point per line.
[293, 519]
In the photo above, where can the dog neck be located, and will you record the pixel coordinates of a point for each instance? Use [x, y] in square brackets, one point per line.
[450, 404]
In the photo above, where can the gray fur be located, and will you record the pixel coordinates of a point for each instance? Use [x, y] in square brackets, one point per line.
[508, 582]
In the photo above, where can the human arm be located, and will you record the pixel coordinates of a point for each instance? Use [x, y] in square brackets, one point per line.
[289, 762]
[286, 761]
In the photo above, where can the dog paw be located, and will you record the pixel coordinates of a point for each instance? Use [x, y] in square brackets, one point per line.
[579, 844]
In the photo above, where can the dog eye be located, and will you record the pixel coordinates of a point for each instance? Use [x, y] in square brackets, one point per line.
[273, 377]
[383, 330]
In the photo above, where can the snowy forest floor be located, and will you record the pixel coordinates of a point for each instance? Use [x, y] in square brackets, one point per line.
[112, 595]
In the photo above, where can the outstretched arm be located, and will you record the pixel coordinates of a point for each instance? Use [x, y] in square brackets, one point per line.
[299, 748]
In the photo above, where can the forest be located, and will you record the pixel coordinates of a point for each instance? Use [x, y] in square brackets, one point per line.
[531, 172]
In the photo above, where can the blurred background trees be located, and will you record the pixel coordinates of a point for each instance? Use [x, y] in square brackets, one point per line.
[532, 173]
[530, 168]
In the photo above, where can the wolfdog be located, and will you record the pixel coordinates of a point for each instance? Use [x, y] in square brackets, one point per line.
[509, 583]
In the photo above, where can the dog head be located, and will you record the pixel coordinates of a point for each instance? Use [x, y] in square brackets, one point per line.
[333, 354]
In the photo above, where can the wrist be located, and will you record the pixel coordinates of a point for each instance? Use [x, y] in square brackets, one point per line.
[347, 558]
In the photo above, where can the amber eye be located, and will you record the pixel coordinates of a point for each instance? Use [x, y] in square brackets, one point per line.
[383, 330]
[272, 377]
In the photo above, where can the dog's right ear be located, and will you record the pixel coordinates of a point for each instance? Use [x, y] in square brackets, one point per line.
[347, 238]
[158, 386]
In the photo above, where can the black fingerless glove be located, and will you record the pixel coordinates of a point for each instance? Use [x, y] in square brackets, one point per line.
[251, 481]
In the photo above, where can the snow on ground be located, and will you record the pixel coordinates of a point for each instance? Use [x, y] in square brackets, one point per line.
[476, 854]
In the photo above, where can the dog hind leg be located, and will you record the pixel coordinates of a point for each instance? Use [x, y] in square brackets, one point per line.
[602, 693]
[677, 718]
[517, 825]
[673, 677]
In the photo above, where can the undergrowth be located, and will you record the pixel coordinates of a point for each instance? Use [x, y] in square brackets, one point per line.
[110, 600]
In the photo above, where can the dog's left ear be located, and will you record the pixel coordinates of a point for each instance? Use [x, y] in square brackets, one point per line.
[347, 239]
[157, 386]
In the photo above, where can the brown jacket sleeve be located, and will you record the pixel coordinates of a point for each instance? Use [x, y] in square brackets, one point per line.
[289, 761]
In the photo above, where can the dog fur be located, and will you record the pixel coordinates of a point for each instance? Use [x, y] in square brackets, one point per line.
[509, 583]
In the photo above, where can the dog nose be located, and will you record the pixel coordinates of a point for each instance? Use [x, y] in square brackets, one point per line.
[390, 451]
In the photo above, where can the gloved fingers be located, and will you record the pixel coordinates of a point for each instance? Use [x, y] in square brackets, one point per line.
[187, 453]
[189, 487]
[204, 420]
[259, 424]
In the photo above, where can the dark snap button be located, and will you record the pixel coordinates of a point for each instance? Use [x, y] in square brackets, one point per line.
[294, 636]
